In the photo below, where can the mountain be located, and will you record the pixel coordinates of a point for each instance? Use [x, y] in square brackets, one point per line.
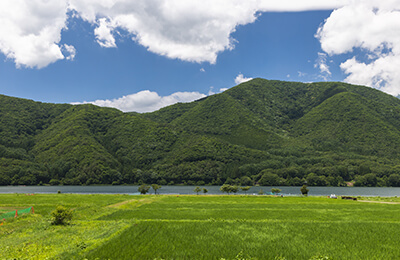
[261, 131]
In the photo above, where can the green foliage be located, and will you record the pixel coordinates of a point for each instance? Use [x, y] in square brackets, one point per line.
[197, 190]
[205, 190]
[61, 216]
[229, 188]
[269, 179]
[234, 188]
[368, 180]
[155, 187]
[275, 190]
[266, 132]
[394, 180]
[143, 189]
[245, 189]
[304, 190]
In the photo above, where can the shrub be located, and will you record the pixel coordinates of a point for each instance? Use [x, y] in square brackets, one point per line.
[275, 190]
[143, 189]
[61, 216]
[197, 190]
[304, 190]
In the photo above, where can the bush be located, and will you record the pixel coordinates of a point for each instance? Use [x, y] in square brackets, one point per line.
[143, 189]
[275, 190]
[304, 190]
[61, 216]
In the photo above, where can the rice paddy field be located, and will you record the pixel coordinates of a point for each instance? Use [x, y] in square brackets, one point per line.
[201, 227]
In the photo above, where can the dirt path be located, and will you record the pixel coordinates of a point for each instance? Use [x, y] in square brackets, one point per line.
[134, 202]
[382, 202]
[121, 203]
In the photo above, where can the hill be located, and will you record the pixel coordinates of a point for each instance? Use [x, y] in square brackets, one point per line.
[261, 131]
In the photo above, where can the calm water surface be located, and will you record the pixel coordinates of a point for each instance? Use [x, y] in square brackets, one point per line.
[288, 191]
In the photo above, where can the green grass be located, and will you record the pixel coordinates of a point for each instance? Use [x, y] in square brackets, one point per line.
[201, 227]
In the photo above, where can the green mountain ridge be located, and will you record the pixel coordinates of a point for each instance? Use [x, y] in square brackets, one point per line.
[259, 132]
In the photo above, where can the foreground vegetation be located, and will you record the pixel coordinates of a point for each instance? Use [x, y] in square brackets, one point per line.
[265, 132]
[201, 227]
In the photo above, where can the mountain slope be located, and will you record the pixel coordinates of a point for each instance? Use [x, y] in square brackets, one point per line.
[261, 131]
[346, 122]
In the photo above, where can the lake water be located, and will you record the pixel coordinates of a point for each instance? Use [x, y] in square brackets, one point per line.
[287, 191]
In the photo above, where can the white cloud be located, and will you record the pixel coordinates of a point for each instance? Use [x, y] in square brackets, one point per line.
[197, 31]
[211, 91]
[240, 79]
[373, 27]
[71, 51]
[149, 101]
[145, 101]
[202, 70]
[30, 31]
[103, 34]
[189, 30]
[322, 66]
[301, 74]
[194, 31]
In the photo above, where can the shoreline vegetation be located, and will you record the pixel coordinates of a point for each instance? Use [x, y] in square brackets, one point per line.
[201, 227]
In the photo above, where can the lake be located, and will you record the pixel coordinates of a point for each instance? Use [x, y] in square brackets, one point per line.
[287, 191]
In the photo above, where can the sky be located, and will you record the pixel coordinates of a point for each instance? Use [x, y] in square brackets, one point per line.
[141, 55]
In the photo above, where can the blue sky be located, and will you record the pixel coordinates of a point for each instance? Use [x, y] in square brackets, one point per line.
[110, 68]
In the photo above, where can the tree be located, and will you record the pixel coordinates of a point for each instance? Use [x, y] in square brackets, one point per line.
[234, 188]
[205, 190]
[229, 181]
[304, 190]
[269, 179]
[143, 189]
[155, 187]
[197, 190]
[226, 188]
[246, 180]
[245, 189]
[394, 180]
[275, 190]
[61, 216]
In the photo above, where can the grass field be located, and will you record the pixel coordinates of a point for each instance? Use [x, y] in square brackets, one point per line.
[201, 227]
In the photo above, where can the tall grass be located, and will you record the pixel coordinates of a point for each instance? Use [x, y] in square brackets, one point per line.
[201, 227]
[261, 240]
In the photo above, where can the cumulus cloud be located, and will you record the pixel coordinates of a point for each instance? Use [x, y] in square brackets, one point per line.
[372, 27]
[70, 50]
[145, 101]
[103, 34]
[322, 66]
[197, 31]
[31, 30]
[189, 30]
[240, 79]
[149, 101]
[212, 92]
[194, 31]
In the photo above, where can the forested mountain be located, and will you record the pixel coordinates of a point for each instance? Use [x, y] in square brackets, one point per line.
[259, 132]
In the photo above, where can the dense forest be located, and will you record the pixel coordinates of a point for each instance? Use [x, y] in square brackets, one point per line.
[259, 132]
